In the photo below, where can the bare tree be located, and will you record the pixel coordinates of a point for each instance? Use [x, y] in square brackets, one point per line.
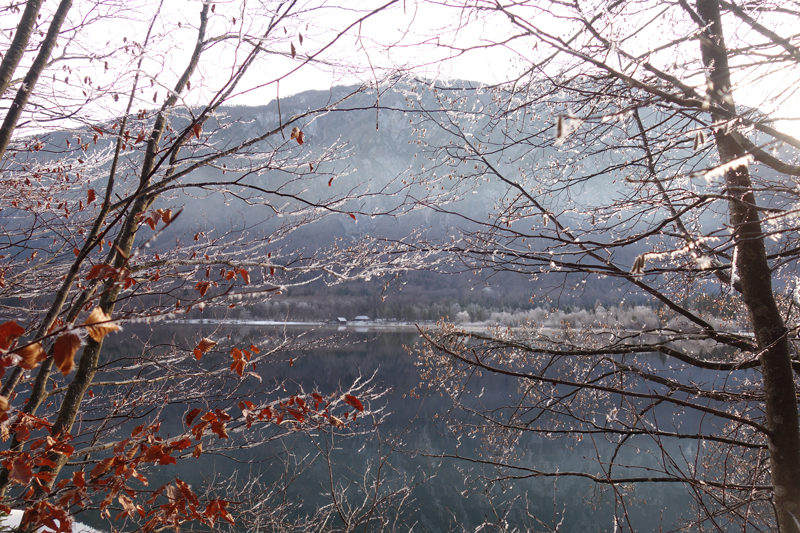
[639, 152]
[94, 179]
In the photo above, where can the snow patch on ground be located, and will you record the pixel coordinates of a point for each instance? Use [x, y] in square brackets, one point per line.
[14, 519]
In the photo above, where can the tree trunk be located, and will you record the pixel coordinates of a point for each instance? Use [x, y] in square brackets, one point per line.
[22, 36]
[87, 366]
[28, 84]
[756, 281]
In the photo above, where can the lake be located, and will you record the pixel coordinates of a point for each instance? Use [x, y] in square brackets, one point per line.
[418, 490]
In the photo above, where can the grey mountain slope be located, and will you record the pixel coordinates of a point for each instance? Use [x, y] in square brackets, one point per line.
[372, 171]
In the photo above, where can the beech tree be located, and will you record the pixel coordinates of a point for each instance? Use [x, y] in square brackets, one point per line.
[101, 146]
[642, 150]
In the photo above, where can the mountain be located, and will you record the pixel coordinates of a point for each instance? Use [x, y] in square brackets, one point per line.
[396, 161]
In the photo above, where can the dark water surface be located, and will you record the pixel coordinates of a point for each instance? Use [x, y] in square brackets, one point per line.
[446, 496]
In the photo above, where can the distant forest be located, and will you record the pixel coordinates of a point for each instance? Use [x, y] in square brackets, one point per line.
[431, 296]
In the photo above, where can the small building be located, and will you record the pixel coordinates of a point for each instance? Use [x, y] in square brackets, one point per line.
[341, 320]
[361, 318]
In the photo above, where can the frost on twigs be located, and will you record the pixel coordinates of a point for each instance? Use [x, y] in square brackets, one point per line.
[565, 125]
[638, 265]
[721, 170]
[699, 140]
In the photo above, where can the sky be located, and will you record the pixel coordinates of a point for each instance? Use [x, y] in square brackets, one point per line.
[406, 36]
[426, 39]
[423, 38]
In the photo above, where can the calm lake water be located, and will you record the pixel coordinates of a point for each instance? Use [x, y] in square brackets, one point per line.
[447, 496]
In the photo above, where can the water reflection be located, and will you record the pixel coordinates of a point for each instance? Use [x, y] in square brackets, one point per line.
[407, 448]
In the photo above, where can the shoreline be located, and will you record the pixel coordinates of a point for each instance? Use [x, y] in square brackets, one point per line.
[394, 325]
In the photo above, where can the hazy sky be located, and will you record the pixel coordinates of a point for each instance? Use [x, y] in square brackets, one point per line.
[408, 35]
[412, 36]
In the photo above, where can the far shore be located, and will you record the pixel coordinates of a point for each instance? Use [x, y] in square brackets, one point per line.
[399, 325]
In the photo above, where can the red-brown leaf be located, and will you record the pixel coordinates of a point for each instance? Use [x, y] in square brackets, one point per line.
[102, 271]
[216, 509]
[219, 429]
[167, 459]
[198, 430]
[127, 505]
[191, 415]
[238, 366]
[21, 471]
[206, 344]
[94, 272]
[120, 446]
[92, 196]
[202, 286]
[197, 128]
[353, 401]
[9, 332]
[102, 467]
[99, 324]
[30, 355]
[64, 351]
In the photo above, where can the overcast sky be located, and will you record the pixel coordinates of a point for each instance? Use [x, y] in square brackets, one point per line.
[409, 35]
